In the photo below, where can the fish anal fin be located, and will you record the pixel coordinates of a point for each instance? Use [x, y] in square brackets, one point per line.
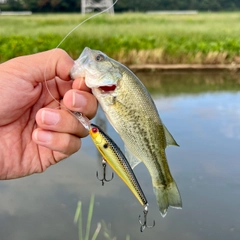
[133, 161]
[169, 138]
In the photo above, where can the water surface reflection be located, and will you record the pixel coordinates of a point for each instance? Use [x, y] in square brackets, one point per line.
[205, 123]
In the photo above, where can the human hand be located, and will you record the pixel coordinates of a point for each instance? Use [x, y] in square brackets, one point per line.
[36, 132]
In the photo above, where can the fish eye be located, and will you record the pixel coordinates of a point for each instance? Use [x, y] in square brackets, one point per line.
[94, 130]
[105, 145]
[99, 57]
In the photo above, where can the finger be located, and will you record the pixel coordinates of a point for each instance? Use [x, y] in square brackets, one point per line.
[59, 120]
[81, 101]
[62, 86]
[79, 83]
[64, 143]
[54, 90]
[44, 66]
[55, 62]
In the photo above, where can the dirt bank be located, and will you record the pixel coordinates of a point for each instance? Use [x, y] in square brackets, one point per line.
[184, 67]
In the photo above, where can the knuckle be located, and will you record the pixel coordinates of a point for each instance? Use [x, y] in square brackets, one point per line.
[60, 52]
[66, 144]
[71, 144]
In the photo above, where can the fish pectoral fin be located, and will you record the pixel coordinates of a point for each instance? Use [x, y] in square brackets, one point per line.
[169, 138]
[133, 161]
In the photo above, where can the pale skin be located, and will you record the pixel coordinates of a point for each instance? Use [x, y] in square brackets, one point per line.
[36, 131]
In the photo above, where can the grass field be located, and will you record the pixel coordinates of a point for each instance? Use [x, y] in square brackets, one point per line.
[130, 38]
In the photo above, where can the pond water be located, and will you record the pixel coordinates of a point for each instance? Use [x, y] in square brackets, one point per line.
[202, 111]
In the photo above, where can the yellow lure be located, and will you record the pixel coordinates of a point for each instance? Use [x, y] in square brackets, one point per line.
[117, 161]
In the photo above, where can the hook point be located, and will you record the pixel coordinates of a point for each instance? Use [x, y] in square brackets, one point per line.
[104, 173]
[144, 224]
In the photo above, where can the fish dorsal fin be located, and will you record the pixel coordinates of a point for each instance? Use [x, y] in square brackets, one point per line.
[169, 138]
[133, 161]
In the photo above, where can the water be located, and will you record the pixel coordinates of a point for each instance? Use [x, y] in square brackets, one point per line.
[202, 111]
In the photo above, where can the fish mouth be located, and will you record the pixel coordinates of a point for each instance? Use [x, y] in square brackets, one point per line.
[107, 88]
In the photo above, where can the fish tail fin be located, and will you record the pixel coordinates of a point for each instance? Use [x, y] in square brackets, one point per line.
[168, 196]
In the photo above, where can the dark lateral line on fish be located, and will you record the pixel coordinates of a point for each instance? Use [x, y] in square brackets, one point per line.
[162, 176]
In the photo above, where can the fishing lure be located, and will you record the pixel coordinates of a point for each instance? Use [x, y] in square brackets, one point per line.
[118, 162]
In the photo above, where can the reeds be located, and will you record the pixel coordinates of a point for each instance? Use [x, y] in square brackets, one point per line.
[107, 233]
[78, 220]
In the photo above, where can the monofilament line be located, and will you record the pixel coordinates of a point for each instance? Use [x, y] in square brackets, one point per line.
[45, 80]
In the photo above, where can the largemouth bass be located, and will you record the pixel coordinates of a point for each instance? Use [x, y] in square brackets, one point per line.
[133, 114]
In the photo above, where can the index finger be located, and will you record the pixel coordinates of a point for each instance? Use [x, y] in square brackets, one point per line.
[59, 64]
[43, 66]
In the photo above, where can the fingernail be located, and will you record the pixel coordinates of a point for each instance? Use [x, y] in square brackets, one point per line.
[81, 83]
[43, 136]
[78, 100]
[50, 117]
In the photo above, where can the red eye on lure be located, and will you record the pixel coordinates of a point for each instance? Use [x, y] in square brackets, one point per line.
[94, 130]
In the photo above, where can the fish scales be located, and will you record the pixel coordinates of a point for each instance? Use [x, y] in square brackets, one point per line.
[141, 120]
[133, 114]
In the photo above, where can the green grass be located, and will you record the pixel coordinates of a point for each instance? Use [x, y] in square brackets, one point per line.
[129, 38]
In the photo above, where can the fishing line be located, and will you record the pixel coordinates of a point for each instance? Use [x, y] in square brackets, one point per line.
[77, 115]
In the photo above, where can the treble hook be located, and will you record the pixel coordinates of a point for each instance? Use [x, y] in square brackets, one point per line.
[144, 224]
[104, 164]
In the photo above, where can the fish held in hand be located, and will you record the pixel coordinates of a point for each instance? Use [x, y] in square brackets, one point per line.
[133, 114]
